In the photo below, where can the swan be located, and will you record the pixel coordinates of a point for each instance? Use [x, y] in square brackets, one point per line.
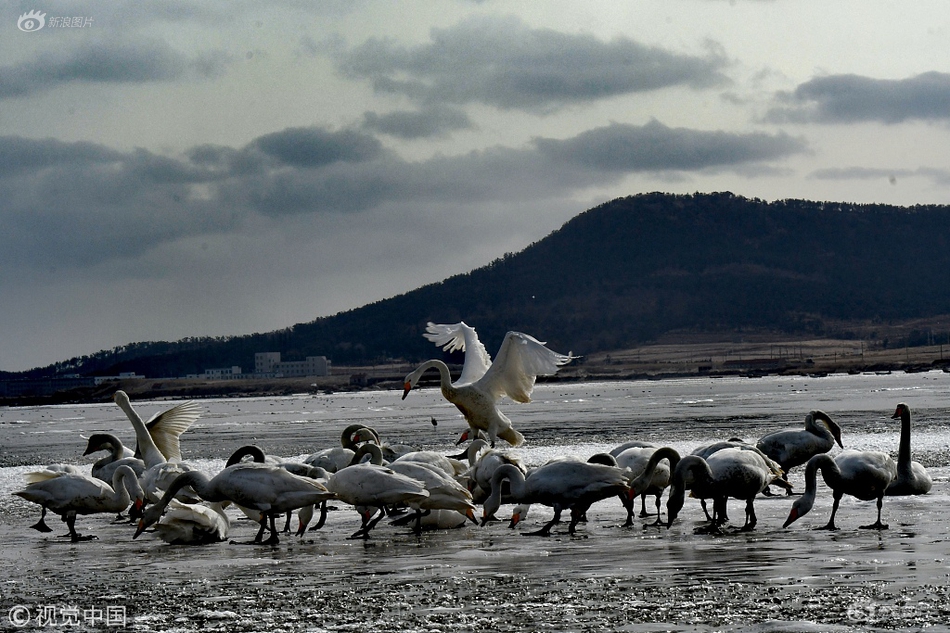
[794, 448]
[118, 455]
[449, 465]
[730, 472]
[357, 434]
[370, 488]
[520, 360]
[159, 470]
[193, 523]
[297, 468]
[861, 474]
[68, 494]
[164, 428]
[560, 484]
[708, 449]
[483, 462]
[651, 475]
[269, 490]
[912, 477]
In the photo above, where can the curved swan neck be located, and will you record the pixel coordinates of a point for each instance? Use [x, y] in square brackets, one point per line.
[830, 472]
[445, 377]
[473, 449]
[692, 472]
[346, 437]
[642, 482]
[255, 452]
[820, 423]
[376, 455]
[150, 453]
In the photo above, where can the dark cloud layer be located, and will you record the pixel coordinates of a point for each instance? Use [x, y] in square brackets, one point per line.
[107, 61]
[656, 147]
[503, 63]
[430, 122]
[82, 203]
[854, 99]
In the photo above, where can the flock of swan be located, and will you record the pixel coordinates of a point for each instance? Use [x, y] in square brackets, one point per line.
[160, 490]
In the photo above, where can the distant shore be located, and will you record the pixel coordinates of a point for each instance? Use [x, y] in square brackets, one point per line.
[745, 356]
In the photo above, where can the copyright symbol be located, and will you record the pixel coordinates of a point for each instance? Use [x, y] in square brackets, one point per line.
[19, 615]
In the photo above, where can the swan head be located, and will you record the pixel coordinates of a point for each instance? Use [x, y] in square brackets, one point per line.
[674, 504]
[136, 509]
[901, 410]
[518, 515]
[120, 397]
[98, 442]
[151, 516]
[800, 508]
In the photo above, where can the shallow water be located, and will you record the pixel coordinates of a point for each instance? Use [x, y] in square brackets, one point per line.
[492, 578]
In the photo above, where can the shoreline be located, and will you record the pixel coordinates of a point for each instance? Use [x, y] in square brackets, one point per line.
[749, 356]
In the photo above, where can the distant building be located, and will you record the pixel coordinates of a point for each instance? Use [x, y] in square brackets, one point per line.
[125, 375]
[269, 364]
[223, 373]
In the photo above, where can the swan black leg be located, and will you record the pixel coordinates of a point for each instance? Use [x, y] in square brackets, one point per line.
[658, 522]
[546, 530]
[877, 525]
[750, 519]
[74, 536]
[40, 526]
[628, 505]
[834, 510]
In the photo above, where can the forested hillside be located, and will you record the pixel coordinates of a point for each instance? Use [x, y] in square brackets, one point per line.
[624, 273]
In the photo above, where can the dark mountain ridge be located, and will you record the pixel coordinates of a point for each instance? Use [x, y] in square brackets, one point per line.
[625, 273]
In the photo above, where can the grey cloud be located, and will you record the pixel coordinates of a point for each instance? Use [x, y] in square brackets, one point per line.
[854, 99]
[106, 62]
[18, 154]
[80, 204]
[426, 123]
[312, 147]
[656, 147]
[503, 63]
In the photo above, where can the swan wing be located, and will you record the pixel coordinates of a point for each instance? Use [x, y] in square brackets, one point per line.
[521, 359]
[461, 337]
[166, 427]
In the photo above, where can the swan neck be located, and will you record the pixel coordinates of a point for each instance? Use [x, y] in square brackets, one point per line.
[830, 472]
[254, 451]
[150, 453]
[376, 455]
[642, 482]
[903, 452]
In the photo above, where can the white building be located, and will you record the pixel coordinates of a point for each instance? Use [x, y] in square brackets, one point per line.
[269, 363]
[224, 372]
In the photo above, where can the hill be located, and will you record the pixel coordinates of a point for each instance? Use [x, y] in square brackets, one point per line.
[644, 268]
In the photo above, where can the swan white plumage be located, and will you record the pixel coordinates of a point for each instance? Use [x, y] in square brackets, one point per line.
[861, 474]
[269, 490]
[193, 523]
[636, 461]
[520, 360]
[483, 462]
[68, 494]
[370, 488]
[561, 484]
[160, 471]
[794, 448]
[119, 455]
[730, 472]
[912, 478]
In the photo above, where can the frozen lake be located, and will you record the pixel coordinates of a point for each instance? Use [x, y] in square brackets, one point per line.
[492, 578]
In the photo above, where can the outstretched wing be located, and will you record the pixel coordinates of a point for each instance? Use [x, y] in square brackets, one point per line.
[166, 427]
[461, 337]
[521, 359]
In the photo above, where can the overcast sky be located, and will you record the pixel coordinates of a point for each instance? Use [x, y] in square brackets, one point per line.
[173, 169]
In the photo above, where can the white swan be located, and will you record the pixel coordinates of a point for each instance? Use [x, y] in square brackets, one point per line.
[912, 477]
[561, 484]
[730, 472]
[193, 524]
[164, 428]
[861, 474]
[520, 360]
[68, 494]
[119, 455]
[159, 470]
[370, 488]
[269, 490]
[652, 476]
[483, 462]
[794, 448]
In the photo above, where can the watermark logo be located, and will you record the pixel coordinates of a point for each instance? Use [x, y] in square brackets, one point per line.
[35, 20]
[31, 21]
[49, 615]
